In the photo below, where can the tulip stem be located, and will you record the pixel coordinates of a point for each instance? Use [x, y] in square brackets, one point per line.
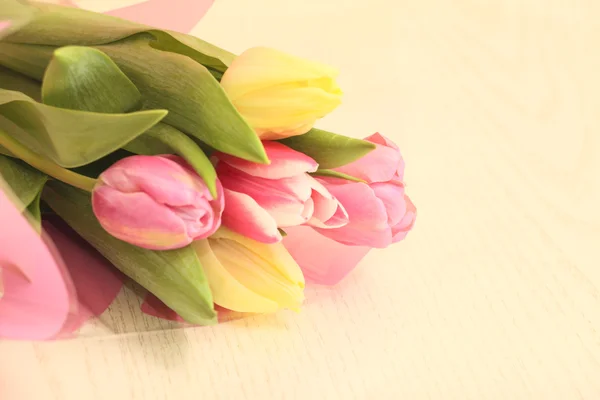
[44, 165]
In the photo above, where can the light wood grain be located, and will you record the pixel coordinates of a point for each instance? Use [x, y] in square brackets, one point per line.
[494, 295]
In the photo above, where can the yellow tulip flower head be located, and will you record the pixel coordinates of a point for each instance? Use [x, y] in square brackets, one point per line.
[248, 276]
[278, 94]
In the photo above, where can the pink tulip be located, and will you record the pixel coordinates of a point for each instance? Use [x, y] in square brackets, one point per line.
[156, 202]
[380, 212]
[261, 198]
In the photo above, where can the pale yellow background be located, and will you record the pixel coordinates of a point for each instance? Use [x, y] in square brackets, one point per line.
[494, 295]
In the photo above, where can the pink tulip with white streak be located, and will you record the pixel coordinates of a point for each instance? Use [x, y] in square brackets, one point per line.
[260, 198]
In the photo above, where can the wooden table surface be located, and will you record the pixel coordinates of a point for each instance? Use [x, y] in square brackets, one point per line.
[494, 295]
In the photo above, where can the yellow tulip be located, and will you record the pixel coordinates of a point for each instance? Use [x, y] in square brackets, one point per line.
[248, 276]
[278, 94]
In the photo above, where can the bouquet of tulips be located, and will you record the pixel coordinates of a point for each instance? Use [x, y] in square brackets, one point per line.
[196, 173]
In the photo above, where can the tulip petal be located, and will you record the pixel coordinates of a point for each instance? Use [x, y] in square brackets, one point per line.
[392, 196]
[164, 179]
[287, 214]
[284, 199]
[243, 215]
[296, 187]
[378, 138]
[269, 134]
[380, 165]
[367, 214]
[278, 256]
[137, 219]
[328, 212]
[203, 218]
[264, 269]
[400, 230]
[285, 162]
[247, 72]
[337, 220]
[227, 291]
[364, 209]
[308, 211]
[289, 107]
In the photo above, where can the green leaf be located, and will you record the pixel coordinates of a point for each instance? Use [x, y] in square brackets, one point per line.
[86, 28]
[86, 79]
[5, 152]
[59, 26]
[164, 139]
[26, 182]
[175, 276]
[45, 165]
[94, 169]
[212, 57]
[283, 233]
[198, 106]
[329, 149]
[16, 14]
[11, 80]
[29, 60]
[334, 174]
[172, 71]
[70, 138]
[149, 143]
[34, 213]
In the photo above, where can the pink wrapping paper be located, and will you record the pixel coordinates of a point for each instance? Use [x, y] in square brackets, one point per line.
[38, 294]
[97, 283]
[323, 261]
[174, 15]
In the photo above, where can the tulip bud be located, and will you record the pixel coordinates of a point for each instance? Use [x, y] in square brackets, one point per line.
[248, 276]
[278, 94]
[156, 202]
